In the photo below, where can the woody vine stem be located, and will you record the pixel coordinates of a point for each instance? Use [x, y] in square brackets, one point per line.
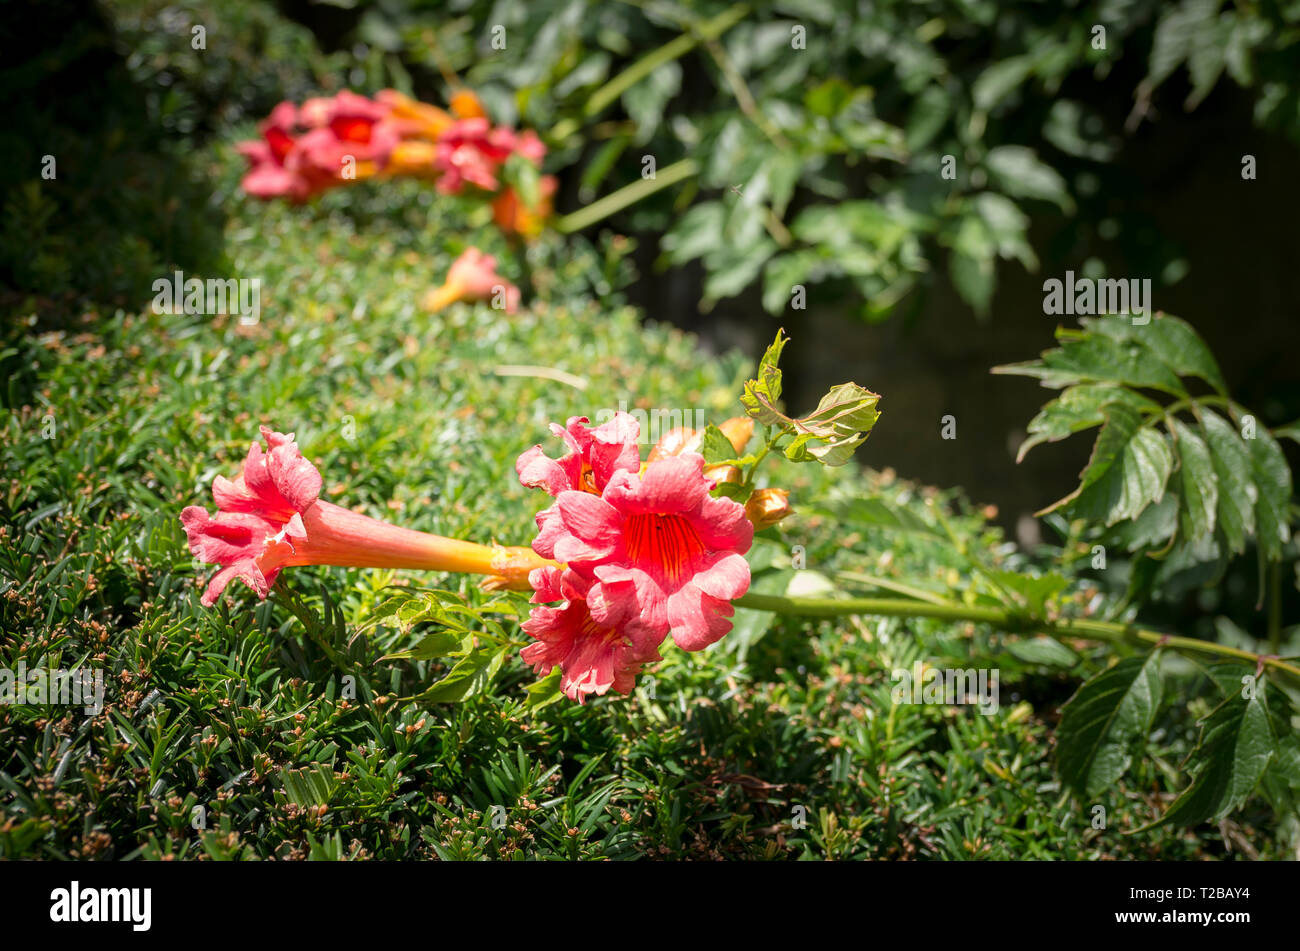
[1083, 628]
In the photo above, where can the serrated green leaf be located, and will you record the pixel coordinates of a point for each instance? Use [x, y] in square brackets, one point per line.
[841, 422]
[1128, 470]
[1078, 408]
[1046, 651]
[715, 447]
[1102, 723]
[1232, 470]
[1181, 349]
[1199, 493]
[1272, 478]
[1170, 340]
[763, 393]
[1236, 745]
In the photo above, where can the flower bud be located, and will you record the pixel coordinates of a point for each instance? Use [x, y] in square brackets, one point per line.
[766, 507]
[675, 442]
[721, 474]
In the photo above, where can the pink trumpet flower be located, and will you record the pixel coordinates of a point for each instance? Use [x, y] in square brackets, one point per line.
[649, 552]
[471, 151]
[594, 658]
[666, 555]
[271, 517]
[595, 454]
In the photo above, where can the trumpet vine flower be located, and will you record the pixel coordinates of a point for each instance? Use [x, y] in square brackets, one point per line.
[666, 555]
[648, 552]
[594, 657]
[271, 517]
[473, 277]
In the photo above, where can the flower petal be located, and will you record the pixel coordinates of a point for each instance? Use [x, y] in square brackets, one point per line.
[697, 619]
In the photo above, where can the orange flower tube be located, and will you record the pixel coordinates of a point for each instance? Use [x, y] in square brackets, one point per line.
[270, 518]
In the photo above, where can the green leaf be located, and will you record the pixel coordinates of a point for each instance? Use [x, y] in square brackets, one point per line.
[1017, 171]
[763, 393]
[1129, 467]
[715, 447]
[646, 100]
[1232, 471]
[929, 113]
[1272, 478]
[1181, 349]
[1034, 591]
[1281, 781]
[311, 785]
[780, 275]
[544, 692]
[974, 275]
[697, 233]
[1095, 357]
[1200, 490]
[1103, 722]
[828, 98]
[1290, 431]
[1078, 408]
[1170, 340]
[1000, 80]
[1235, 748]
[469, 676]
[435, 644]
[842, 421]
[1046, 651]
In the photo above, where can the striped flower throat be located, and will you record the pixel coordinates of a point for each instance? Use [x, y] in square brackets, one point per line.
[667, 542]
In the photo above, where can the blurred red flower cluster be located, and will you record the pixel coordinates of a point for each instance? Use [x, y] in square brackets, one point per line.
[331, 141]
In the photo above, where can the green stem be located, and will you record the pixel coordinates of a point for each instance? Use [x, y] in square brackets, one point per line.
[767, 448]
[1106, 631]
[627, 195]
[605, 96]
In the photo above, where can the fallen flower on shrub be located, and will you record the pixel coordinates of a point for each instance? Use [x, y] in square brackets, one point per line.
[473, 277]
[271, 517]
